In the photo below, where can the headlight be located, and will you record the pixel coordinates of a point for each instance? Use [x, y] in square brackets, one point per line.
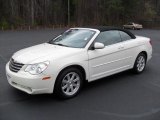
[37, 68]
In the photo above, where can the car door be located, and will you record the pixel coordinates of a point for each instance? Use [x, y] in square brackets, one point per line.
[129, 48]
[127, 25]
[109, 60]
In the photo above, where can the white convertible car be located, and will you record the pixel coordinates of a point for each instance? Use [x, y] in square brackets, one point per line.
[79, 54]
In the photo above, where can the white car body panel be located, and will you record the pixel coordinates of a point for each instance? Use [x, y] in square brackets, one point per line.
[110, 60]
[96, 63]
[133, 25]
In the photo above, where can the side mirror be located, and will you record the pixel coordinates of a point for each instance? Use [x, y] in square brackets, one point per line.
[98, 45]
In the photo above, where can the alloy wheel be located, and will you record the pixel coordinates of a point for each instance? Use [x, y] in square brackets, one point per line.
[70, 83]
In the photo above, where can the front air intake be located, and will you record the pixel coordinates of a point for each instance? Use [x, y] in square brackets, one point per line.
[15, 66]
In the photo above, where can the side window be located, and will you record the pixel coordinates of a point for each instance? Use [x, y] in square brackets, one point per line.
[130, 23]
[124, 36]
[109, 37]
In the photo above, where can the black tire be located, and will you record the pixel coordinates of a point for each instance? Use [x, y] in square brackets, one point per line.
[136, 68]
[58, 90]
[133, 28]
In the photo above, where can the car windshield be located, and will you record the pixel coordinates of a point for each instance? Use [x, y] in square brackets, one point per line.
[76, 38]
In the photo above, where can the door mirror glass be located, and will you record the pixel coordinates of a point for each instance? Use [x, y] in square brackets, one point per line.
[98, 45]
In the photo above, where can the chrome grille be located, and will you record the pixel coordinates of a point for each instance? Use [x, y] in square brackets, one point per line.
[15, 66]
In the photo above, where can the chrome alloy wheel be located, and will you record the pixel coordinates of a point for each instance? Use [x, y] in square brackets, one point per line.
[70, 83]
[141, 62]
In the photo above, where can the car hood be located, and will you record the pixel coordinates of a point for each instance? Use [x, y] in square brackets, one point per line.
[44, 52]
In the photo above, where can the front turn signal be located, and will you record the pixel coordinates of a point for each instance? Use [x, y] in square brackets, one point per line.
[46, 78]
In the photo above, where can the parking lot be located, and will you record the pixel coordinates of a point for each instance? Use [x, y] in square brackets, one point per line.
[123, 96]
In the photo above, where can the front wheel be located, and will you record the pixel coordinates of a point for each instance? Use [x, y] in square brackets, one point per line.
[69, 83]
[140, 63]
[133, 28]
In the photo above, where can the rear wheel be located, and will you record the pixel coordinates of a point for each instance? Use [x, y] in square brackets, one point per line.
[140, 63]
[69, 83]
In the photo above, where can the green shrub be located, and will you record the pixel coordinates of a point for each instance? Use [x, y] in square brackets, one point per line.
[4, 24]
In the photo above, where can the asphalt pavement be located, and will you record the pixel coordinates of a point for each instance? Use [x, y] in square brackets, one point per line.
[124, 96]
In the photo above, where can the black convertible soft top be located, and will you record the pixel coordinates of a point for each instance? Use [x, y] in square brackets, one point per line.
[107, 28]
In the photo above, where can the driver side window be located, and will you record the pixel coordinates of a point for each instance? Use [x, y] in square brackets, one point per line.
[109, 37]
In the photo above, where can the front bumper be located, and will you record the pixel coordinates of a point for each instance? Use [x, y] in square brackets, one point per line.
[31, 84]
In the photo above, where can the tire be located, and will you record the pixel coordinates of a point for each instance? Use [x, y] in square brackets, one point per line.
[67, 87]
[133, 28]
[140, 63]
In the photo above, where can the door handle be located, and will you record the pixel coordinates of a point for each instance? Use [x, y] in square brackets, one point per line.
[121, 47]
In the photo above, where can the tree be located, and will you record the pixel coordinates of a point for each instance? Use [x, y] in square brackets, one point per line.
[82, 12]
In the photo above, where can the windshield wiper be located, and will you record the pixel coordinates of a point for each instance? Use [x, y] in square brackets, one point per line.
[61, 45]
